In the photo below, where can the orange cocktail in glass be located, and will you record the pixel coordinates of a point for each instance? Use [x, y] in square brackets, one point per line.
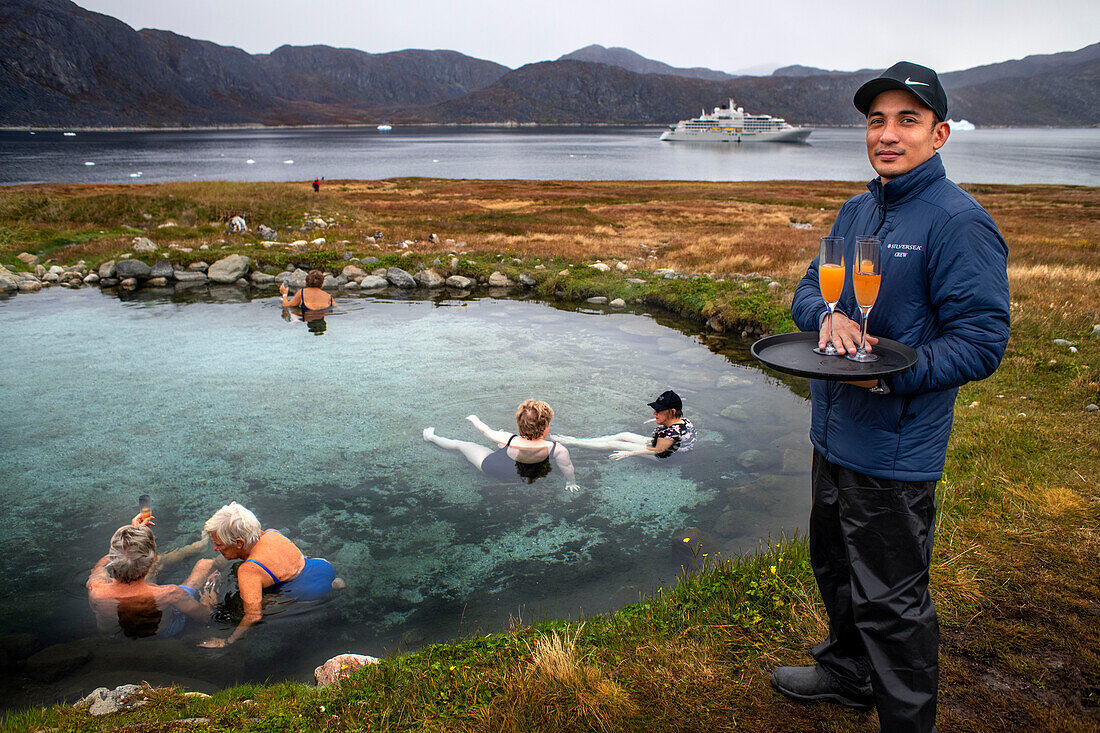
[830, 277]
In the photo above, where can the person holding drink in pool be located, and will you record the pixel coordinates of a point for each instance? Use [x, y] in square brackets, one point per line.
[933, 264]
[123, 593]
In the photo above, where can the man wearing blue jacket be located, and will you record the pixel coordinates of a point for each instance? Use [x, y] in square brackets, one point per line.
[880, 445]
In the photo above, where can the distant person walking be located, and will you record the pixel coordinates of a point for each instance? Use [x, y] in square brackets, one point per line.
[316, 185]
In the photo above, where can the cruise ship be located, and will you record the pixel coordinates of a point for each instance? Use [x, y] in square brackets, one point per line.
[730, 124]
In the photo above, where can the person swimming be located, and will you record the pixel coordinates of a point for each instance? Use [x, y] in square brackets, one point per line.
[525, 454]
[675, 434]
[124, 597]
[272, 564]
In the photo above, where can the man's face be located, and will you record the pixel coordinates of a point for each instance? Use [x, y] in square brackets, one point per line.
[901, 134]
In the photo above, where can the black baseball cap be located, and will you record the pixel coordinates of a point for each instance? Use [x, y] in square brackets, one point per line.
[920, 80]
[668, 400]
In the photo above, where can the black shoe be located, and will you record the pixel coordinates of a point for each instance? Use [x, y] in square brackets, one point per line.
[808, 684]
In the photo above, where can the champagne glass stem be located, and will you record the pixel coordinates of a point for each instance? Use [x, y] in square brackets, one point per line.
[863, 331]
[831, 341]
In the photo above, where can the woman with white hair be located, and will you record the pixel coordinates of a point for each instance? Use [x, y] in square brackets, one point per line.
[123, 595]
[272, 564]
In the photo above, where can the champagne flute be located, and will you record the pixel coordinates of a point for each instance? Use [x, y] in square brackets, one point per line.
[866, 276]
[830, 276]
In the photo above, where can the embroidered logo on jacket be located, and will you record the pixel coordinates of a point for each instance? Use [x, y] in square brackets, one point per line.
[903, 250]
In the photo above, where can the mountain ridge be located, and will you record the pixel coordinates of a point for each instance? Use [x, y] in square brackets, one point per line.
[77, 68]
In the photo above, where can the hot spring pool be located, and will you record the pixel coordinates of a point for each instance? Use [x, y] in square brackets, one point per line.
[202, 399]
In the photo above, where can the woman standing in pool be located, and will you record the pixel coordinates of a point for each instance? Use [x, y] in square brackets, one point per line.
[311, 299]
[526, 454]
[675, 434]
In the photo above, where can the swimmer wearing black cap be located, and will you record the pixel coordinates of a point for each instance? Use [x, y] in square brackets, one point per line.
[675, 434]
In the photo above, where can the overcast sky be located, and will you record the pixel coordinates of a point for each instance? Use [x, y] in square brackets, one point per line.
[730, 36]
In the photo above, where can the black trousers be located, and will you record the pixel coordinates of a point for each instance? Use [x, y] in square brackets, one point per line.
[870, 547]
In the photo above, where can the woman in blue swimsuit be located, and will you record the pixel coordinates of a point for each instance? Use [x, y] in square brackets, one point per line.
[526, 454]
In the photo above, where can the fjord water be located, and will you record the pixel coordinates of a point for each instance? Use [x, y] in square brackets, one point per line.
[210, 397]
[1056, 156]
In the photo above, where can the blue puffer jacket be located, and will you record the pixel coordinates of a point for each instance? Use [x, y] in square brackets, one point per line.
[944, 292]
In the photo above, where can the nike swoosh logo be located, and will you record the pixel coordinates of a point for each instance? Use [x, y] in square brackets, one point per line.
[910, 82]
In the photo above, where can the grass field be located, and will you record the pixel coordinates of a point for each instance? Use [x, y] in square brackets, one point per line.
[1017, 562]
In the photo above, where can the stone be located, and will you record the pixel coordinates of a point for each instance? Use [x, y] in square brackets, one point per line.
[460, 281]
[143, 245]
[1092, 408]
[39, 270]
[237, 225]
[108, 282]
[773, 285]
[399, 278]
[433, 238]
[56, 661]
[527, 281]
[229, 269]
[353, 271]
[127, 269]
[351, 285]
[157, 282]
[429, 279]
[635, 281]
[267, 233]
[600, 266]
[1062, 342]
[317, 242]
[30, 286]
[297, 279]
[379, 271]
[104, 702]
[340, 667]
[160, 268]
[332, 282]
[563, 273]
[795, 461]
[91, 278]
[621, 266]
[28, 258]
[597, 299]
[540, 267]
[1096, 330]
[373, 282]
[262, 278]
[618, 303]
[128, 282]
[369, 260]
[755, 460]
[107, 269]
[499, 280]
[189, 276]
[51, 277]
[199, 266]
[241, 282]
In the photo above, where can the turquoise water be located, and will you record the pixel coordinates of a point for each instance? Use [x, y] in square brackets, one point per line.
[201, 399]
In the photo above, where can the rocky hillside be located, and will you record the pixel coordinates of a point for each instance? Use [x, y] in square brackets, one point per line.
[65, 66]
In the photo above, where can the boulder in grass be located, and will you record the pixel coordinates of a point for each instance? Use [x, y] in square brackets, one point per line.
[262, 278]
[28, 258]
[527, 281]
[266, 232]
[237, 225]
[192, 276]
[107, 269]
[104, 702]
[340, 667]
[399, 278]
[160, 268]
[373, 282]
[352, 272]
[9, 281]
[499, 280]
[460, 281]
[429, 279]
[143, 245]
[229, 269]
[127, 269]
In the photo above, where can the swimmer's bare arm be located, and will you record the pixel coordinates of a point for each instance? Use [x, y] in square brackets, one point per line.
[651, 451]
[251, 587]
[293, 301]
[198, 610]
[561, 457]
[497, 436]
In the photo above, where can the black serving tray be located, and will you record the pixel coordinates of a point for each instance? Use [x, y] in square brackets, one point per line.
[792, 353]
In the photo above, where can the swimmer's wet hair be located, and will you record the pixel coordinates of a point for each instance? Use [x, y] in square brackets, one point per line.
[132, 553]
[231, 523]
[532, 419]
[315, 279]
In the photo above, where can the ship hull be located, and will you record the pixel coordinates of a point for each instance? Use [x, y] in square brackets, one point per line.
[793, 135]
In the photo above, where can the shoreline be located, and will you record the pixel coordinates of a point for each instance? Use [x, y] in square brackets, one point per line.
[1018, 512]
